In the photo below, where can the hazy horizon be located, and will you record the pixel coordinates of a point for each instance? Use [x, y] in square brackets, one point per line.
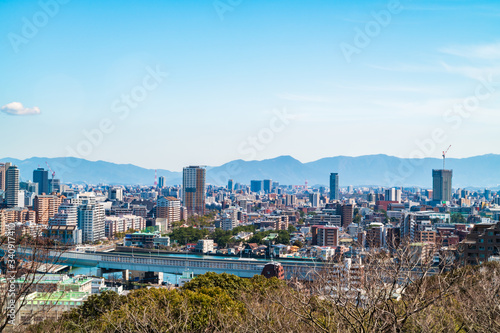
[169, 84]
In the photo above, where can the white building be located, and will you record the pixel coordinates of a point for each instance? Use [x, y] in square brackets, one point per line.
[205, 246]
[91, 216]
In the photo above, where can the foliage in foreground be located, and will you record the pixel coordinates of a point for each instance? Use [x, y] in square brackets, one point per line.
[226, 303]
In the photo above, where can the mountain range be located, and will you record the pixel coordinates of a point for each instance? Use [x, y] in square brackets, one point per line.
[376, 170]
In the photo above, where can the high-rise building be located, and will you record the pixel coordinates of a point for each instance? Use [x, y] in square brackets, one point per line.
[229, 219]
[230, 185]
[3, 171]
[347, 213]
[193, 189]
[169, 208]
[115, 193]
[334, 186]
[161, 182]
[393, 194]
[256, 186]
[268, 185]
[41, 177]
[67, 214]
[314, 198]
[54, 186]
[91, 217]
[46, 207]
[12, 186]
[441, 185]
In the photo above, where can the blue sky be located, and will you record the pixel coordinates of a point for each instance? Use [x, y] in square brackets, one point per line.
[417, 77]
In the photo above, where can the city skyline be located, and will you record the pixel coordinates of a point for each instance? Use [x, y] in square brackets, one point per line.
[254, 78]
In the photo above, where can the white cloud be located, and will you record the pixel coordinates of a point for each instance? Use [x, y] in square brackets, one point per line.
[485, 51]
[302, 98]
[17, 109]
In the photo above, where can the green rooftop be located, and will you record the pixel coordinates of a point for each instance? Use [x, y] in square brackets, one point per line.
[59, 296]
[270, 237]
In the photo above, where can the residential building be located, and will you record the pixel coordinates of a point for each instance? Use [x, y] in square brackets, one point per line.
[481, 243]
[325, 235]
[46, 207]
[193, 189]
[12, 186]
[91, 216]
[205, 246]
[123, 223]
[3, 172]
[169, 208]
[375, 235]
[347, 215]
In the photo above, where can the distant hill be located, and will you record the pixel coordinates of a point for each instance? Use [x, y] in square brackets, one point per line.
[383, 170]
[76, 170]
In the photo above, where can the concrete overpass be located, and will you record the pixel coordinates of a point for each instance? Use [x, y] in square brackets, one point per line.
[176, 264]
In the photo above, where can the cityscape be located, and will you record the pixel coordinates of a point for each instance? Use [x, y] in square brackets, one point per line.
[274, 230]
[249, 166]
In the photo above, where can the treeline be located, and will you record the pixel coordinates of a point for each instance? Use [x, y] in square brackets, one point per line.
[463, 300]
[223, 237]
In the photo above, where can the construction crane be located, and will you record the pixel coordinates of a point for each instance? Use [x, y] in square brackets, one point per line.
[51, 171]
[444, 155]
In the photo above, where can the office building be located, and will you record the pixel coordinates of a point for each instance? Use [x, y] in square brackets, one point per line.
[12, 186]
[441, 185]
[268, 185]
[41, 177]
[115, 193]
[393, 194]
[161, 182]
[54, 186]
[314, 198]
[230, 185]
[256, 185]
[193, 189]
[334, 186]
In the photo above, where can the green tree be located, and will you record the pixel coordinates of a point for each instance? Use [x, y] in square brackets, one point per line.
[221, 237]
[187, 235]
[458, 218]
